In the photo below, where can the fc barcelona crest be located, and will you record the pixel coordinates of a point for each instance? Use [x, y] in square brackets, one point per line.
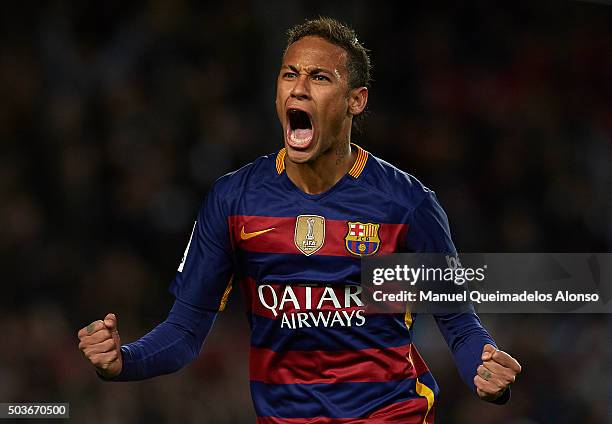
[362, 239]
[309, 233]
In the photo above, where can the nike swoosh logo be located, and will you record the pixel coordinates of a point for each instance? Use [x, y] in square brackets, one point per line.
[246, 236]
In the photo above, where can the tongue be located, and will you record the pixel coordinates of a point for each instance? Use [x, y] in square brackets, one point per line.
[300, 138]
[302, 134]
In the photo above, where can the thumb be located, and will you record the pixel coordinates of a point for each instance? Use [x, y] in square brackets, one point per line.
[487, 352]
[110, 321]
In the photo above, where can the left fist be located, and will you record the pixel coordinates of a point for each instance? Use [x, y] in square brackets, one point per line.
[497, 372]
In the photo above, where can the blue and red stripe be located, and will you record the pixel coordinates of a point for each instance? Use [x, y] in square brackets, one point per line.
[380, 332]
[333, 367]
[342, 400]
[281, 238]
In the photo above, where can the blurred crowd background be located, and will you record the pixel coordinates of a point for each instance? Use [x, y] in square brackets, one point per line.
[116, 117]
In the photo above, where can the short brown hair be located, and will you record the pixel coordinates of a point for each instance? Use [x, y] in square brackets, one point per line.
[358, 62]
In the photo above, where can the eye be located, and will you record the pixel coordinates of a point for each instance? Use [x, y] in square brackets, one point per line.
[320, 78]
[289, 75]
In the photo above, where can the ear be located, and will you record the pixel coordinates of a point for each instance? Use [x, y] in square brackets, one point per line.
[358, 98]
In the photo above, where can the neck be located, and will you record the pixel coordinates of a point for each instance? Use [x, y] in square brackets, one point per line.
[324, 172]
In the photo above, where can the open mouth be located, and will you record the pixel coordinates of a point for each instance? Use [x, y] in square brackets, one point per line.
[299, 129]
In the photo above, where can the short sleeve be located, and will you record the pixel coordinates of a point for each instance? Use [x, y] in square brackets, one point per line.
[204, 275]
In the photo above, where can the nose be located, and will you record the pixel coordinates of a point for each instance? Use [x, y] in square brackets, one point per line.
[301, 89]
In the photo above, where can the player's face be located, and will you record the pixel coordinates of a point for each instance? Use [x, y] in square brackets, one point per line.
[312, 98]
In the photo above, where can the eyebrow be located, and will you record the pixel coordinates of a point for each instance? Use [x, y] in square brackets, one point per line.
[313, 71]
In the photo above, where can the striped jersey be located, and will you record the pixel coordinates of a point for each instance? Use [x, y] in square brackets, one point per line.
[316, 354]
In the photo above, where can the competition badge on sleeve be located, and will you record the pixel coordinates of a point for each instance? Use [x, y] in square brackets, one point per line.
[309, 233]
[362, 239]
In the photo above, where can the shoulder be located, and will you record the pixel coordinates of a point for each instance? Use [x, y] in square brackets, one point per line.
[429, 229]
[399, 186]
[251, 175]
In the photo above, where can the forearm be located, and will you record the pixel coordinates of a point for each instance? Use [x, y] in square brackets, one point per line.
[169, 346]
[466, 338]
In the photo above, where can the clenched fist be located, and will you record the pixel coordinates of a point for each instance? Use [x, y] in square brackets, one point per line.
[101, 345]
[497, 372]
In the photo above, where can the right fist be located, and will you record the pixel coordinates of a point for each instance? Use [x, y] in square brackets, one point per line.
[101, 345]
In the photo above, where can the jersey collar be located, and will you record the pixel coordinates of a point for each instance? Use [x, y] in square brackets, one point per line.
[355, 171]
